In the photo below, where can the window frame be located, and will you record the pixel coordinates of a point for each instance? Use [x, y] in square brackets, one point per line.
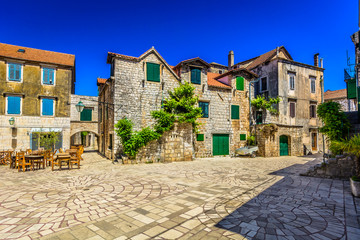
[21, 72]
[313, 80]
[41, 107]
[294, 103]
[7, 105]
[312, 105]
[42, 75]
[291, 86]
[208, 108]
[261, 85]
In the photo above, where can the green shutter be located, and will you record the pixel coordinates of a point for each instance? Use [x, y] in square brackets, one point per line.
[220, 144]
[86, 115]
[242, 137]
[240, 83]
[235, 112]
[351, 88]
[153, 72]
[196, 76]
[205, 109]
[200, 137]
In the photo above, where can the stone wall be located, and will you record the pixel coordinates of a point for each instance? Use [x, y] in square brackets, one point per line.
[175, 145]
[269, 146]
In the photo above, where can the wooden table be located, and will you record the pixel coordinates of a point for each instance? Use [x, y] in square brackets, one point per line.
[33, 158]
[63, 157]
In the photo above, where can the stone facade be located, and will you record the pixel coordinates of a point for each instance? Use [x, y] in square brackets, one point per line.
[269, 145]
[32, 91]
[174, 145]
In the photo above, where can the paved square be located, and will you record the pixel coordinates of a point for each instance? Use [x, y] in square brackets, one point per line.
[215, 198]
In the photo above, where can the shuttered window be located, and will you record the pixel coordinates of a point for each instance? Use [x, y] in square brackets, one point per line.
[242, 137]
[196, 76]
[292, 81]
[14, 72]
[13, 105]
[200, 137]
[205, 109]
[351, 88]
[153, 72]
[48, 76]
[235, 112]
[86, 114]
[240, 83]
[259, 117]
[312, 111]
[47, 107]
[313, 88]
[292, 109]
[264, 85]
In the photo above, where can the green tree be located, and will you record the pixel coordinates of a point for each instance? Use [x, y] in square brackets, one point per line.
[48, 140]
[336, 124]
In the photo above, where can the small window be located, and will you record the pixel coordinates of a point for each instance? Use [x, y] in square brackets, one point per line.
[242, 137]
[200, 137]
[259, 117]
[220, 71]
[292, 81]
[196, 76]
[235, 112]
[86, 114]
[48, 76]
[313, 86]
[47, 106]
[153, 72]
[292, 109]
[14, 105]
[14, 72]
[205, 109]
[264, 85]
[312, 111]
[240, 83]
[110, 141]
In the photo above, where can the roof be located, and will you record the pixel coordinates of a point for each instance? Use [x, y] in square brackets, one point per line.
[218, 64]
[101, 81]
[237, 70]
[192, 60]
[215, 83]
[328, 95]
[256, 61]
[36, 55]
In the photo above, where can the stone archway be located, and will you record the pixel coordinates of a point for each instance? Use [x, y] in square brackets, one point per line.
[89, 139]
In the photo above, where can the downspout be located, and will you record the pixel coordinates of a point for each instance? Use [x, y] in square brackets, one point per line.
[322, 101]
[250, 120]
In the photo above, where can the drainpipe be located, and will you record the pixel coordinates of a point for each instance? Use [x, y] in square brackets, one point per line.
[322, 100]
[250, 83]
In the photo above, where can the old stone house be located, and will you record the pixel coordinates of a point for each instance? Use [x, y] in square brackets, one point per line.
[300, 88]
[137, 86]
[35, 87]
[340, 96]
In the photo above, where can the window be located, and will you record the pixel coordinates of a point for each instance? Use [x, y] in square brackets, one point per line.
[313, 88]
[312, 111]
[292, 81]
[235, 112]
[259, 117]
[196, 76]
[220, 71]
[86, 114]
[200, 137]
[14, 105]
[292, 109]
[240, 83]
[47, 107]
[48, 76]
[100, 114]
[205, 109]
[263, 84]
[153, 72]
[14, 72]
[242, 137]
[110, 141]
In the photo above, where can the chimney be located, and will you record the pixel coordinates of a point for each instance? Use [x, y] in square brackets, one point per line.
[321, 62]
[231, 59]
[316, 59]
[277, 51]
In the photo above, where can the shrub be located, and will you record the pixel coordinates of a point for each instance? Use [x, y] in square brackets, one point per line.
[250, 141]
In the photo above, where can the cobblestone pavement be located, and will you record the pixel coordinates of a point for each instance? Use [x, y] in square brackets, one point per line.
[214, 198]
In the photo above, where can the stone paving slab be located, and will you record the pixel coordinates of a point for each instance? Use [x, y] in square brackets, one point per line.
[214, 198]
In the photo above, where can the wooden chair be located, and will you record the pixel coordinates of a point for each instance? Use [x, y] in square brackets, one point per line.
[60, 150]
[75, 158]
[52, 160]
[7, 158]
[81, 149]
[21, 162]
[28, 151]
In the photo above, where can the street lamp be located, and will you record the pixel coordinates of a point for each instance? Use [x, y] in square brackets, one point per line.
[11, 121]
[80, 106]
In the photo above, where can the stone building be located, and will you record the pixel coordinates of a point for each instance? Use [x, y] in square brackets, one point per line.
[300, 88]
[35, 87]
[340, 96]
[84, 125]
[137, 86]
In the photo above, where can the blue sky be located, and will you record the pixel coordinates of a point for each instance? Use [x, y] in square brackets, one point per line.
[183, 29]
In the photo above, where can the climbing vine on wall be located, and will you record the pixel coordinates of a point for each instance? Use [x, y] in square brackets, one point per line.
[260, 102]
[180, 106]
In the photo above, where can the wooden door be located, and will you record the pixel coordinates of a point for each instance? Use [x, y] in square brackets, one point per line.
[220, 144]
[284, 146]
[314, 142]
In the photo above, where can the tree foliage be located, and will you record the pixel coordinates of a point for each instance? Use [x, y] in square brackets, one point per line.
[180, 106]
[48, 140]
[260, 102]
[336, 124]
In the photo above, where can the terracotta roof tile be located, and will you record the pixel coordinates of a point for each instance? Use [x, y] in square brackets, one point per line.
[36, 55]
[101, 81]
[215, 83]
[328, 95]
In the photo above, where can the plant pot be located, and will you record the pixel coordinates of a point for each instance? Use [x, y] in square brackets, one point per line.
[355, 187]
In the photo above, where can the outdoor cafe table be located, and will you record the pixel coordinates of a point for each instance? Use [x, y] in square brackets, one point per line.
[33, 158]
[63, 157]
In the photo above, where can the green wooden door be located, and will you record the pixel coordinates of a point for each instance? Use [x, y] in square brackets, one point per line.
[220, 144]
[284, 146]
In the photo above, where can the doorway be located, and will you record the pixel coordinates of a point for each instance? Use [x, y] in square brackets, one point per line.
[284, 146]
[314, 142]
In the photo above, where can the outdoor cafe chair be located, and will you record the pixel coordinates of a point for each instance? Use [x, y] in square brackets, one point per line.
[75, 158]
[21, 162]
